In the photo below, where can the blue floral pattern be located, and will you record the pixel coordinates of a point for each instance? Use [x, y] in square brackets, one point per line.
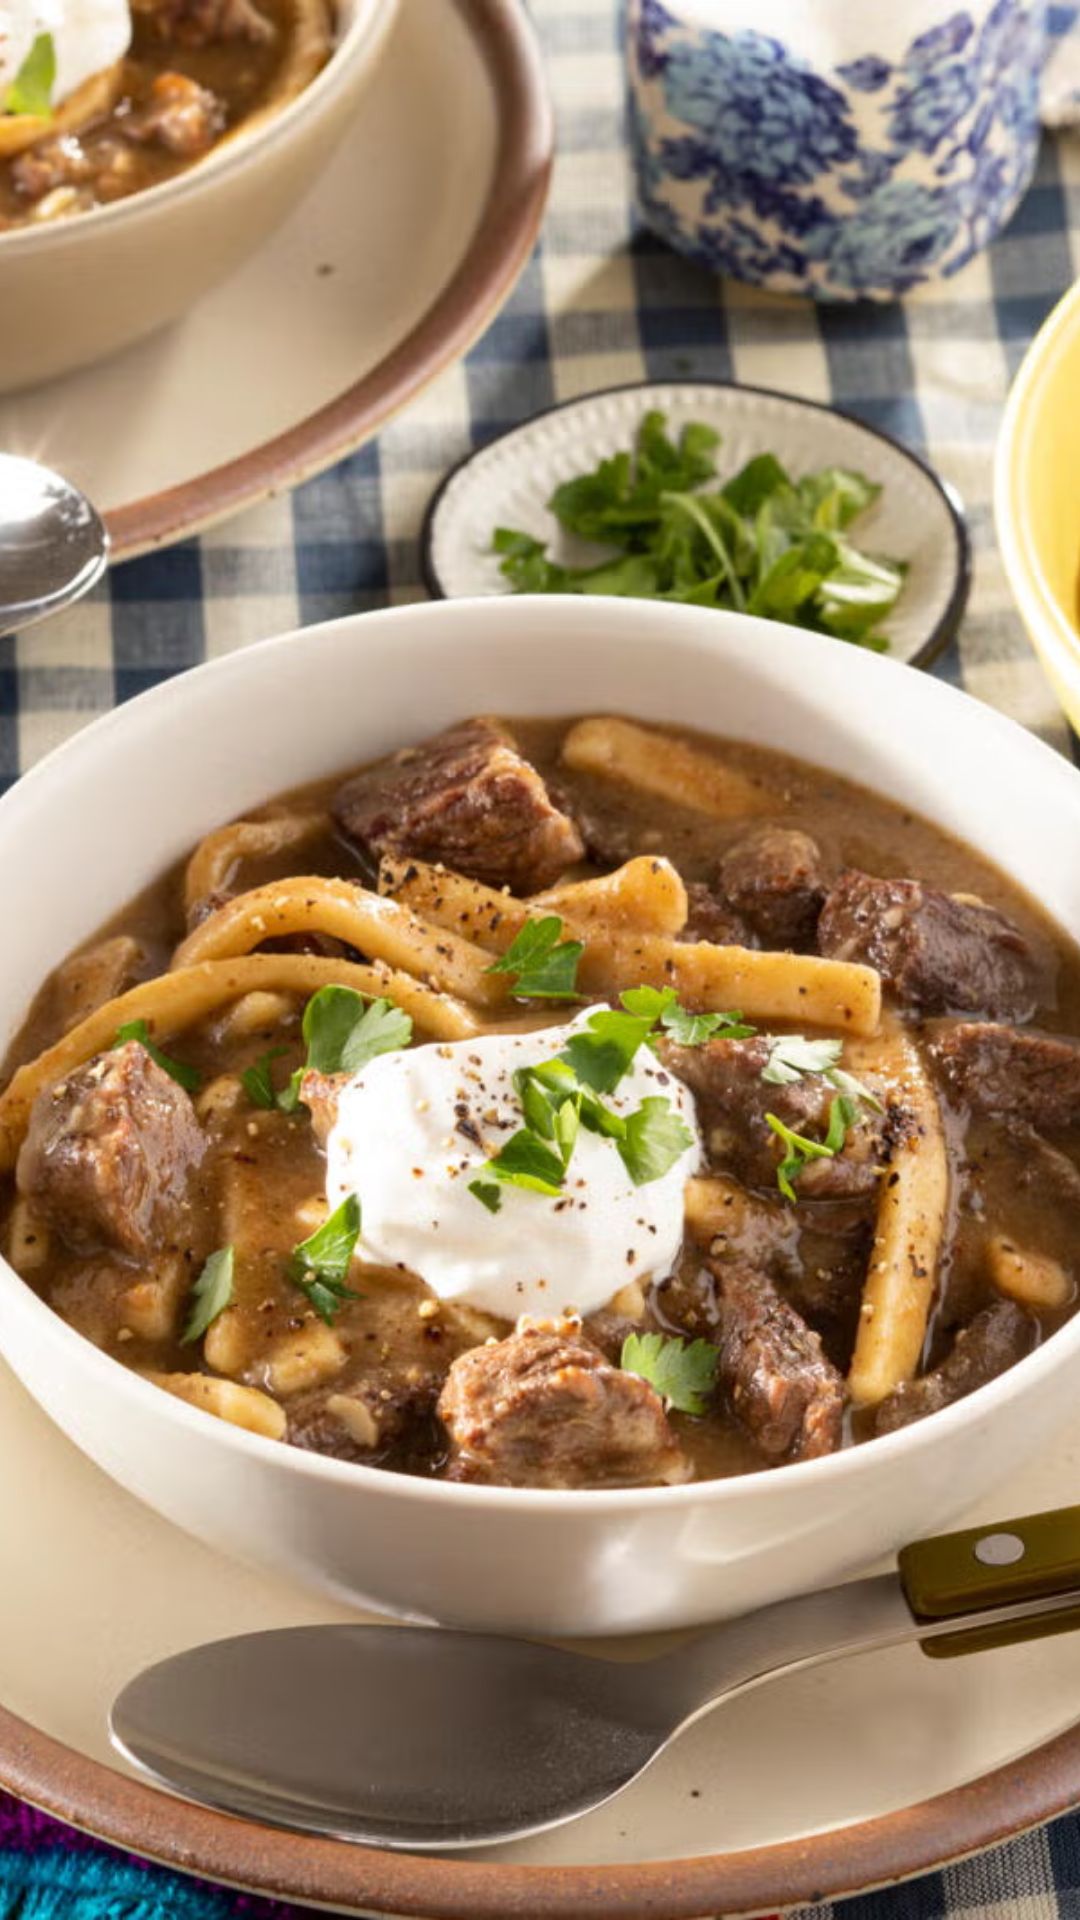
[860, 181]
[759, 111]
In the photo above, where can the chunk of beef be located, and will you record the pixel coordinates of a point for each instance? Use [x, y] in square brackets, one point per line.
[59, 162]
[180, 116]
[834, 1252]
[781, 1387]
[1008, 1157]
[816, 1254]
[772, 879]
[543, 1408]
[109, 1152]
[1015, 1072]
[733, 1100]
[610, 838]
[466, 798]
[936, 953]
[996, 1338]
[711, 919]
[204, 23]
[62, 167]
[386, 1418]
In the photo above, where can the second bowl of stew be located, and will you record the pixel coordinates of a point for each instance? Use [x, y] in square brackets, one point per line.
[125, 201]
[547, 1123]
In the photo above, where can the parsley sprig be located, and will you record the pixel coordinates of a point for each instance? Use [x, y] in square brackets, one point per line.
[257, 1081]
[763, 543]
[544, 964]
[319, 1264]
[800, 1149]
[560, 1096]
[682, 1372]
[791, 1057]
[685, 1028]
[187, 1077]
[212, 1292]
[31, 90]
[343, 1030]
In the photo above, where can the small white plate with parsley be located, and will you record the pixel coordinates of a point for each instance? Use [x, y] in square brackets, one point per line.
[717, 495]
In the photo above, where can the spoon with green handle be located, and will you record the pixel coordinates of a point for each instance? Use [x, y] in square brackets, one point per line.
[424, 1738]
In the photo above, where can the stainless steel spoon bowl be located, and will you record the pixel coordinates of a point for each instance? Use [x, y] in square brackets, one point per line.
[53, 543]
[423, 1739]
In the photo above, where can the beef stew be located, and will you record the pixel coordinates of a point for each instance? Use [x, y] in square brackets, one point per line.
[844, 1065]
[195, 72]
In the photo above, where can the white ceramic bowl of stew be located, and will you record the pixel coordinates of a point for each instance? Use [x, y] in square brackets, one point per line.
[75, 289]
[110, 811]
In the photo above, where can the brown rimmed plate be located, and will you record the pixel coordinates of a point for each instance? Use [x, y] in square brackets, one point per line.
[822, 1785]
[387, 272]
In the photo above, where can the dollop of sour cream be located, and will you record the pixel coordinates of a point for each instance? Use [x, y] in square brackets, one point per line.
[87, 35]
[413, 1128]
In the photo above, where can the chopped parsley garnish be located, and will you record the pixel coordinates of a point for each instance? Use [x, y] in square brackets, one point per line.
[843, 1114]
[847, 1084]
[344, 1030]
[488, 1193]
[545, 965]
[212, 1293]
[791, 1055]
[187, 1077]
[800, 1149]
[655, 1137]
[560, 1096]
[319, 1264]
[603, 1052]
[537, 1155]
[686, 1029]
[763, 543]
[257, 1081]
[525, 1161]
[682, 1372]
[32, 88]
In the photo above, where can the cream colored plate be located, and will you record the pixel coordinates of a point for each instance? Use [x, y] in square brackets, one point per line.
[386, 272]
[92, 1586]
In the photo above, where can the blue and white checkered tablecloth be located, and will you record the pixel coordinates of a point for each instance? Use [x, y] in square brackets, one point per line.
[601, 302]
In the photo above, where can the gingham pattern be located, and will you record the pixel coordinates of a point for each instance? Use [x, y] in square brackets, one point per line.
[602, 303]
[599, 303]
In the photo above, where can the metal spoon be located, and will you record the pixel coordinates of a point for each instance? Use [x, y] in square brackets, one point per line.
[428, 1739]
[53, 544]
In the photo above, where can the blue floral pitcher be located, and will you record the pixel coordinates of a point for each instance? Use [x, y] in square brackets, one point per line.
[829, 147]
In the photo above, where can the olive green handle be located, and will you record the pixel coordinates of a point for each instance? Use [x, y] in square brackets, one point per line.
[995, 1566]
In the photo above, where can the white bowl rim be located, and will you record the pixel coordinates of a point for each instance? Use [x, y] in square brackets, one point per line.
[1019, 552]
[370, 20]
[850, 1464]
